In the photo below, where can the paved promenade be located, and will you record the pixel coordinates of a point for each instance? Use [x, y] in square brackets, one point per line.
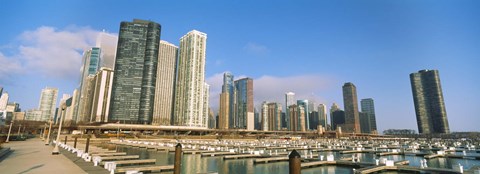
[32, 156]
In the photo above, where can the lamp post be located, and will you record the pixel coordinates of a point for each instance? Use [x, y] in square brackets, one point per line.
[9, 130]
[47, 142]
[55, 150]
[44, 131]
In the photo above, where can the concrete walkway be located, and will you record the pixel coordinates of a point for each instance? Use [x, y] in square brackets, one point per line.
[32, 156]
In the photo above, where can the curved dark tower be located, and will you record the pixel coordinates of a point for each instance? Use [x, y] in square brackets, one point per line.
[429, 104]
[135, 74]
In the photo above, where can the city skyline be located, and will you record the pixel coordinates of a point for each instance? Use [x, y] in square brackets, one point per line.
[378, 67]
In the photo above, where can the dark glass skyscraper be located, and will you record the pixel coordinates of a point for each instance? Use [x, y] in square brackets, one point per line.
[244, 104]
[135, 73]
[350, 102]
[429, 104]
[368, 107]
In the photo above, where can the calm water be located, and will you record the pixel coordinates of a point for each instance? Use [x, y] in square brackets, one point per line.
[192, 164]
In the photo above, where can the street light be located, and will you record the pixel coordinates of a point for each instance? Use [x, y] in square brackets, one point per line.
[9, 130]
[55, 150]
[64, 106]
[47, 142]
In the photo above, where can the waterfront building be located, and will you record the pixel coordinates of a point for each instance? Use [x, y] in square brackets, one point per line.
[90, 66]
[333, 108]
[274, 114]
[365, 122]
[33, 115]
[101, 95]
[368, 107]
[19, 115]
[3, 101]
[322, 115]
[47, 103]
[226, 116]
[258, 121]
[164, 89]
[304, 105]
[429, 103]
[108, 45]
[190, 85]
[297, 117]
[350, 102]
[264, 120]
[338, 119]
[69, 113]
[243, 104]
[314, 120]
[133, 88]
[289, 100]
[211, 119]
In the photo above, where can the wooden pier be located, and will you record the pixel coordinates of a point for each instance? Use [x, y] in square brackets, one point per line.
[217, 154]
[241, 156]
[131, 162]
[113, 158]
[153, 168]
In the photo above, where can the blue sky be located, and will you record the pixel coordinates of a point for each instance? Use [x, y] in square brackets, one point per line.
[308, 47]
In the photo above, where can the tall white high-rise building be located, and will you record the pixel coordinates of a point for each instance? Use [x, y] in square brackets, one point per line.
[162, 109]
[108, 44]
[189, 107]
[322, 115]
[101, 95]
[3, 101]
[47, 104]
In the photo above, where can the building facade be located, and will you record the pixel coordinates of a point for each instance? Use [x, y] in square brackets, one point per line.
[133, 88]
[226, 115]
[189, 104]
[429, 102]
[243, 105]
[289, 100]
[47, 103]
[322, 115]
[350, 102]
[102, 94]
[368, 107]
[164, 89]
[304, 105]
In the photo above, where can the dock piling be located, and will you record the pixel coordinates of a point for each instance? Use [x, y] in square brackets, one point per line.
[178, 159]
[294, 163]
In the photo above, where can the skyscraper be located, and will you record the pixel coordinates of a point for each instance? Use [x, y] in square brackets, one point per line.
[365, 122]
[368, 107]
[226, 115]
[190, 85]
[429, 104]
[274, 114]
[102, 94]
[304, 105]
[108, 44]
[350, 102]
[243, 105]
[164, 90]
[338, 119]
[90, 66]
[69, 113]
[333, 108]
[133, 88]
[47, 103]
[1, 91]
[297, 117]
[322, 115]
[289, 100]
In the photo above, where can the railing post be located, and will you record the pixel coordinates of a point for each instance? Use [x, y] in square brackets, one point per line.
[66, 139]
[294, 163]
[86, 146]
[178, 159]
[75, 143]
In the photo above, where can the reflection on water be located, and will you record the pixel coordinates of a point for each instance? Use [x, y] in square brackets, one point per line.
[192, 164]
